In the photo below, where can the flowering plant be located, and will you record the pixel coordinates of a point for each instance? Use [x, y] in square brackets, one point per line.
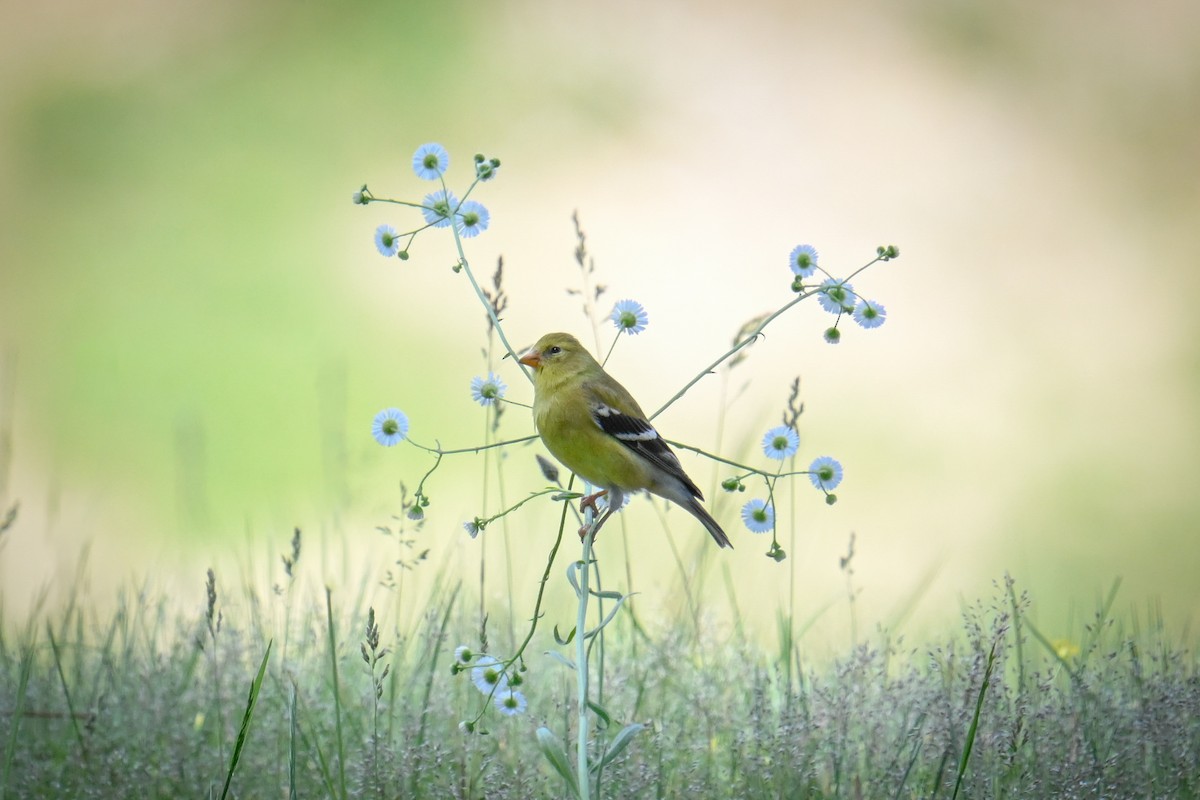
[465, 218]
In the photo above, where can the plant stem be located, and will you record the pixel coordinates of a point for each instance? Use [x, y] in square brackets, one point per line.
[750, 337]
[462, 259]
[581, 668]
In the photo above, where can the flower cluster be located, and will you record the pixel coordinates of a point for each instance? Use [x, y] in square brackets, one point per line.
[492, 679]
[781, 443]
[464, 218]
[440, 208]
[837, 296]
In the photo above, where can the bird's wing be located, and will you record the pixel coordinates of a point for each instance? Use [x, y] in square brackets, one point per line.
[637, 434]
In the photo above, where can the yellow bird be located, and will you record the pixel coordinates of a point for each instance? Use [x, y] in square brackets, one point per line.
[593, 426]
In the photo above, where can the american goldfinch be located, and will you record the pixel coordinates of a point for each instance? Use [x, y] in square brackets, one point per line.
[593, 426]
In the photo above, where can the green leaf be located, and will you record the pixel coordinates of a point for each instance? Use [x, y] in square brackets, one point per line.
[600, 712]
[612, 612]
[552, 749]
[572, 576]
[564, 642]
[619, 743]
[560, 658]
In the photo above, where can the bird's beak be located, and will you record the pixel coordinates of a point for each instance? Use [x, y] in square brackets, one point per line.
[531, 358]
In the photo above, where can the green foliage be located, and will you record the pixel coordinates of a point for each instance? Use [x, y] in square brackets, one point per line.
[995, 707]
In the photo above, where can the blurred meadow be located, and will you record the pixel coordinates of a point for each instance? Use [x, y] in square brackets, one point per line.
[196, 329]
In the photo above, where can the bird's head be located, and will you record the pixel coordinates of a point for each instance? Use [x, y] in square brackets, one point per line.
[553, 351]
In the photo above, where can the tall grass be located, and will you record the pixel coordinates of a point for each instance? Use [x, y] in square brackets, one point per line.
[121, 707]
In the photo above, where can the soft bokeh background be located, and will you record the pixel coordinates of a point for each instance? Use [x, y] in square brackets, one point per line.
[195, 329]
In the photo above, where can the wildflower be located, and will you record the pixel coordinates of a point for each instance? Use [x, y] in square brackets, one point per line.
[758, 516]
[825, 473]
[437, 208]
[472, 528]
[472, 219]
[630, 317]
[803, 260]
[486, 391]
[836, 296]
[485, 169]
[781, 442]
[362, 196]
[1065, 648]
[733, 485]
[463, 654]
[869, 314]
[511, 703]
[390, 427]
[487, 674]
[833, 335]
[430, 161]
[386, 240]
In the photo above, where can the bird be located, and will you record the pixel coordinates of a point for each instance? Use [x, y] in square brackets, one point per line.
[592, 424]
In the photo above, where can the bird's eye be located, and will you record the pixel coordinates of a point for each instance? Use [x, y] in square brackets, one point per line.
[554, 350]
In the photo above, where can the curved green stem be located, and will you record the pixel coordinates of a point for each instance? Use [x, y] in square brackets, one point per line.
[730, 462]
[462, 259]
[752, 336]
[438, 451]
[748, 339]
[482, 523]
[537, 606]
[611, 347]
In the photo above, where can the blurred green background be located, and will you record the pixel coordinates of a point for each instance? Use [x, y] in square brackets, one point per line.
[195, 328]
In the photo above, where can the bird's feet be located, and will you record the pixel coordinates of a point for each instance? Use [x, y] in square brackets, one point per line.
[585, 503]
[589, 501]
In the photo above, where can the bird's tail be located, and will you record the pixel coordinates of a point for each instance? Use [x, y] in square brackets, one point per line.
[699, 512]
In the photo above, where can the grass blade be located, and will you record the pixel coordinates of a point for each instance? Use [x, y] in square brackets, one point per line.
[251, 701]
[293, 735]
[10, 750]
[62, 678]
[337, 693]
[966, 756]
